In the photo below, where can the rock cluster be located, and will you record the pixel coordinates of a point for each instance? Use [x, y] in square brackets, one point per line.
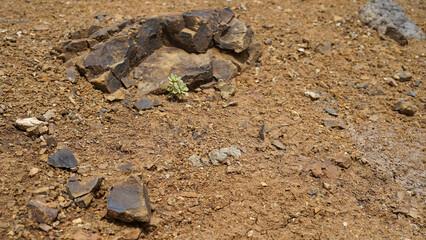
[388, 18]
[199, 46]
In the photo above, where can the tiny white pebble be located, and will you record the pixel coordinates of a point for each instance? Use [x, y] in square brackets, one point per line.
[345, 224]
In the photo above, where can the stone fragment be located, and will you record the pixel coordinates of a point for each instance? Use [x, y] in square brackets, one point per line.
[75, 46]
[388, 18]
[41, 212]
[232, 151]
[128, 201]
[128, 82]
[45, 227]
[234, 167]
[278, 144]
[237, 38]
[333, 123]
[71, 74]
[343, 161]
[118, 95]
[143, 104]
[411, 94]
[106, 82]
[331, 111]
[50, 114]
[223, 69]
[83, 194]
[62, 158]
[27, 123]
[312, 95]
[195, 161]
[402, 76]
[226, 90]
[33, 172]
[405, 108]
[218, 157]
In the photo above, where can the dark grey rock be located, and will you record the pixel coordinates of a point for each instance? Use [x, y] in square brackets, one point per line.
[41, 212]
[128, 201]
[388, 18]
[411, 94]
[62, 158]
[143, 104]
[331, 111]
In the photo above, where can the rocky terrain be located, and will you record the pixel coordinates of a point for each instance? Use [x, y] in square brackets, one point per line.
[304, 120]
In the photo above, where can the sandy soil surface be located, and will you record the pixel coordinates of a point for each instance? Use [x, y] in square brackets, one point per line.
[289, 185]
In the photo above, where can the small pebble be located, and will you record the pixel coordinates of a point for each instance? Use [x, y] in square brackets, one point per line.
[345, 224]
[34, 171]
[411, 94]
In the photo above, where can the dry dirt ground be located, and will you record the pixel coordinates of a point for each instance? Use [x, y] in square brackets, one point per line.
[316, 45]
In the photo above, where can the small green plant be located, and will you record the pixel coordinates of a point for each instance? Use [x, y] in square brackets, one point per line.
[176, 88]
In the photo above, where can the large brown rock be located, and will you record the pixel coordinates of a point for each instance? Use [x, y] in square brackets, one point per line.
[195, 69]
[128, 201]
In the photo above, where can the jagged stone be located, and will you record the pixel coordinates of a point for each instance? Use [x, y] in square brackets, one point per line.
[238, 37]
[62, 158]
[83, 194]
[128, 201]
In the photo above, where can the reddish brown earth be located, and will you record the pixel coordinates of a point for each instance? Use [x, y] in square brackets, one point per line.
[276, 195]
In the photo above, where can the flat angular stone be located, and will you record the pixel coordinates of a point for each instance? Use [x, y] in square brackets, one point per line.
[238, 37]
[75, 190]
[63, 158]
[128, 201]
[143, 104]
[223, 69]
[153, 73]
[41, 212]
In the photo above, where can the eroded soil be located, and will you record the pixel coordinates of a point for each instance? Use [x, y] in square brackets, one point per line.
[315, 46]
